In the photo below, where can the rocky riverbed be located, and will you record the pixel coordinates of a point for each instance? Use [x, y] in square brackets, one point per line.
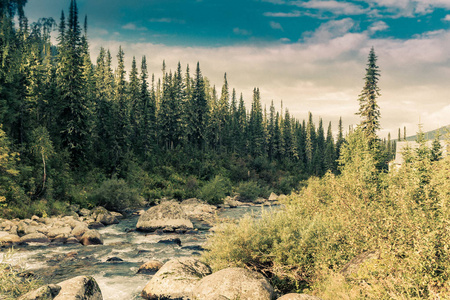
[112, 250]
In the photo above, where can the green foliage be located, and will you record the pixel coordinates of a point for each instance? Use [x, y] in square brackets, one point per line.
[303, 246]
[115, 194]
[215, 190]
[250, 190]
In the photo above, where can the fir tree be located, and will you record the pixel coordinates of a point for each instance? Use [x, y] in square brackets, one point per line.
[369, 110]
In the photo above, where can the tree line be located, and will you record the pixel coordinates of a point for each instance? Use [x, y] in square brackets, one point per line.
[69, 119]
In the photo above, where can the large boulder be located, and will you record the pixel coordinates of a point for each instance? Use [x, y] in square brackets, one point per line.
[294, 296]
[168, 215]
[46, 292]
[79, 230]
[10, 239]
[176, 279]
[233, 283]
[81, 287]
[102, 215]
[34, 238]
[91, 237]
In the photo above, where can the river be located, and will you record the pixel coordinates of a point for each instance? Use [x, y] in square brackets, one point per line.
[117, 280]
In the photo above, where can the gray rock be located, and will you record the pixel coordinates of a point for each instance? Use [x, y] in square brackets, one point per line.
[150, 267]
[46, 292]
[54, 232]
[91, 237]
[294, 296]
[107, 219]
[168, 214]
[72, 240]
[80, 230]
[81, 287]
[176, 279]
[234, 283]
[34, 238]
[9, 240]
[84, 212]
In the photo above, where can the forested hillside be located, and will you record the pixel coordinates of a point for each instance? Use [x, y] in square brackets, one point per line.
[74, 130]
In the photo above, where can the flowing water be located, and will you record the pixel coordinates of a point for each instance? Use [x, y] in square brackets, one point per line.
[117, 280]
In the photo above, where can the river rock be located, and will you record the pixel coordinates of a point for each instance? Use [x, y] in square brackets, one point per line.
[233, 283]
[102, 215]
[80, 230]
[114, 259]
[197, 209]
[84, 212]
[91, 237]
[9, 239]
[43, 293]
[92, 224]
[273, 197]
[150, 267]
[54, 232]
[34, 238]
[168, 214]
[81, 287]
[107, 219]
[176, 241]
[176, 279]
[294, 296]
[72, 240]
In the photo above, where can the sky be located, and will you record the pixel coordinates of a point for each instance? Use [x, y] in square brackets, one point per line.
[304, 55]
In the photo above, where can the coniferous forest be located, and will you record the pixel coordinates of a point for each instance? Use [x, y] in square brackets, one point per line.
[73, 128]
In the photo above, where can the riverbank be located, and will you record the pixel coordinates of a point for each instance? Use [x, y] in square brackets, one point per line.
[55, 261]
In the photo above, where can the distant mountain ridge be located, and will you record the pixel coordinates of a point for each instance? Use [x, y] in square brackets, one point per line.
[430, 135]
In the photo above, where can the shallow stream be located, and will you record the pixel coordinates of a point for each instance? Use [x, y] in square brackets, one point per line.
[117, 280]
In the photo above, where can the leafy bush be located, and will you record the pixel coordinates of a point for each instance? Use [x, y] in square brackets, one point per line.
[250, 190]
[399, 215]
[215, 190]
[115, 194]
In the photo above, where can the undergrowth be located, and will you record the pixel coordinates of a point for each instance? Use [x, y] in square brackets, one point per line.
[401, 215]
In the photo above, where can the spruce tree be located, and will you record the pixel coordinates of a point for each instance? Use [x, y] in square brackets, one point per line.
[369, 111]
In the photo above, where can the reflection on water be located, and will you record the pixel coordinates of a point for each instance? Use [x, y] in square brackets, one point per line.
[117, 280]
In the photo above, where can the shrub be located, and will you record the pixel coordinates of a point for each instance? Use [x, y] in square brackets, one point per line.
[215, 190]
[115, 194]
[305, 244]
[250, 190]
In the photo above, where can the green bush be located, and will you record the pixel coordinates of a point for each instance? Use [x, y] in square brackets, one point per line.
[304, 245]
[115, 194]
[250, 190]
[216, 190]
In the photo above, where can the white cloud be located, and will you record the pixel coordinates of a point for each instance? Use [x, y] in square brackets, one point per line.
[378, 26]
[167, 20]
[446, 18]
[332, 29]
[240, 31]
[335, 7]
[132, 26]
[324, 75]
[407, 8]
[275, 25]
[293, 14]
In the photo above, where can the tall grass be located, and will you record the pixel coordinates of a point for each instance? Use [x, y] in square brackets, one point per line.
[12, 282]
